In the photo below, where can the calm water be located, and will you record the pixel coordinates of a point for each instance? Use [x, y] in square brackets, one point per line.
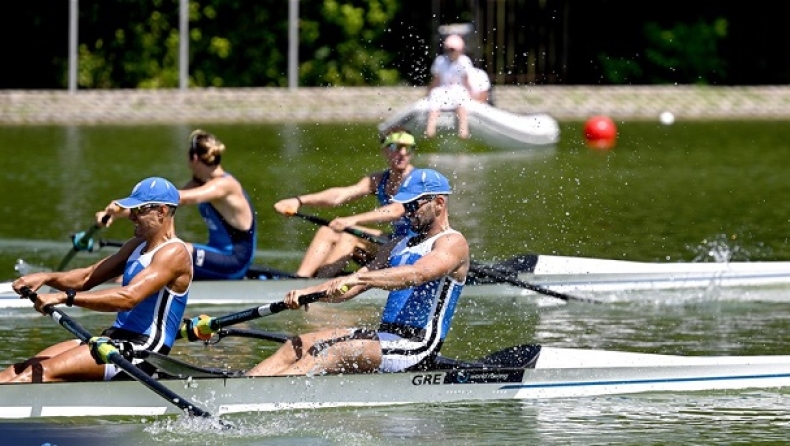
[691, 191]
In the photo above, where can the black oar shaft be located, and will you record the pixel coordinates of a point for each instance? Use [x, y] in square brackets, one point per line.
[258, 312]
[353, 231]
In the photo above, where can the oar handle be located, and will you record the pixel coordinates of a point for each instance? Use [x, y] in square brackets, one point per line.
[373, 238]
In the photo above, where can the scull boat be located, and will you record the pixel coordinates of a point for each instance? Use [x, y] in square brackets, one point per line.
[557, 273]
[527, 372]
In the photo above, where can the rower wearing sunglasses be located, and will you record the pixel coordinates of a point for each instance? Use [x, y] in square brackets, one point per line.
[425, 273]
[150, 302]
[333, 250]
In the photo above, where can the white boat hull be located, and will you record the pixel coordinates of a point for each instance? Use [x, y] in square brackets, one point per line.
[558, 373]
[557, 273]
[489, 125]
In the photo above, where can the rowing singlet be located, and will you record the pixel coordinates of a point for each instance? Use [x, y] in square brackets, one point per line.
[159, 315]
[400, 227]
[229, 252]
[425, 311]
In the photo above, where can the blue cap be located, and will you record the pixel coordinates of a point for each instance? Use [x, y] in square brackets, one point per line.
[152, 190]
[421, 182]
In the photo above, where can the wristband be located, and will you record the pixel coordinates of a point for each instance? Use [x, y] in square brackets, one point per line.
[299, 200]
[70, 297]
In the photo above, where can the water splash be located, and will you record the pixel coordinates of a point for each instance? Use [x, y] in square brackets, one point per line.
[720, 249]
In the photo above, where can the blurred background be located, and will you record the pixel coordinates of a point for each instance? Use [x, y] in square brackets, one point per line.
[231, 43]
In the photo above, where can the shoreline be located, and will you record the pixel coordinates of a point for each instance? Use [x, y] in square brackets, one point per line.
[374, 104]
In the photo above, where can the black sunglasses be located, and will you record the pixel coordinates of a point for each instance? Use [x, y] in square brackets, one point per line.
[143, 209]
[414, 205]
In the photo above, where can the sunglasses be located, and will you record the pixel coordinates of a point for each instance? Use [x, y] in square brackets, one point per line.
[414, 205]
[395, 147]
[139, 210]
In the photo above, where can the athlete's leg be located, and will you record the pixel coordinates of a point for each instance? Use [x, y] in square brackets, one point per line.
[67, 361]
[331, 350]
[463, 122]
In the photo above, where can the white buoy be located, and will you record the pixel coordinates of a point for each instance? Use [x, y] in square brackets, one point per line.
[666, 118]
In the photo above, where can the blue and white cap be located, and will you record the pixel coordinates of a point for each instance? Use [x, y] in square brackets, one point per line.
[154, 190]
[422, 182]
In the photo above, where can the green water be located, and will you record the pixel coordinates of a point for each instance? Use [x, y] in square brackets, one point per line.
[696, 190]
[660, 194]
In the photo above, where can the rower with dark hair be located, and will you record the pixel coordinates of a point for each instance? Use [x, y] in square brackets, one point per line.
[225, 207]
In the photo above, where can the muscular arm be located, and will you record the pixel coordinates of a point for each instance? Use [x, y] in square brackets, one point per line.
[82, 278]
[196, 193]
[383, 214]
[332, 197]
[170, 266]
[449, 256]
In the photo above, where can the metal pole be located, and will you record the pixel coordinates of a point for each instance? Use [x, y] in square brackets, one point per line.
[293, 44]
[73, 24]
[183, 45]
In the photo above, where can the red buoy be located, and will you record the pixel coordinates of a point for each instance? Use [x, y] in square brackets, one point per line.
[600, 132]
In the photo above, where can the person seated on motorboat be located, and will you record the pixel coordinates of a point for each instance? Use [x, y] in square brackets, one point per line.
[157, 272]
[449, 88]
[225, 207]
[425, 273]
[332, 250]
[480, 86]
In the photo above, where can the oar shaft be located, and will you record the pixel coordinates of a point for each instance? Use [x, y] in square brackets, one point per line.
[258, 312]
[504, 278]
[373, 238]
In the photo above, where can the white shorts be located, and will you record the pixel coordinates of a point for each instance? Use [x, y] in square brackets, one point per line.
[448, 98]
[398, 354]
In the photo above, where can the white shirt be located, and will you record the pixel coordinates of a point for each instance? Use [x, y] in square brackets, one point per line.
[478, 80]
[452, 73]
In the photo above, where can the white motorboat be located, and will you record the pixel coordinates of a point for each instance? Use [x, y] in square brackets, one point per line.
[490, 126]
[526, 373]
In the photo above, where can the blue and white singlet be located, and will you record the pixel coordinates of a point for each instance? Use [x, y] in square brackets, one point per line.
[416, 320]
[158, 317]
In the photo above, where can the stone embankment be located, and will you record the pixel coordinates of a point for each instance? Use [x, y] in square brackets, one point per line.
[370, 104]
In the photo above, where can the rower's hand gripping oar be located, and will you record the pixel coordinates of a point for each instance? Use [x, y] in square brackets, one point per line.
[474, 267]
[82, 241]
[202, 327]
[110, 354]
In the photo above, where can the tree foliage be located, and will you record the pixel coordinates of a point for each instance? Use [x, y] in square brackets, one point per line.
[234, 43]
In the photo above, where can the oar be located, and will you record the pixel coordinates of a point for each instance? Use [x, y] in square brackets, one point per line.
[113, 355]
[492, 273]
[253, 334]
[82, 241]
[474, 267]
[204, 331]
[353, 231]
